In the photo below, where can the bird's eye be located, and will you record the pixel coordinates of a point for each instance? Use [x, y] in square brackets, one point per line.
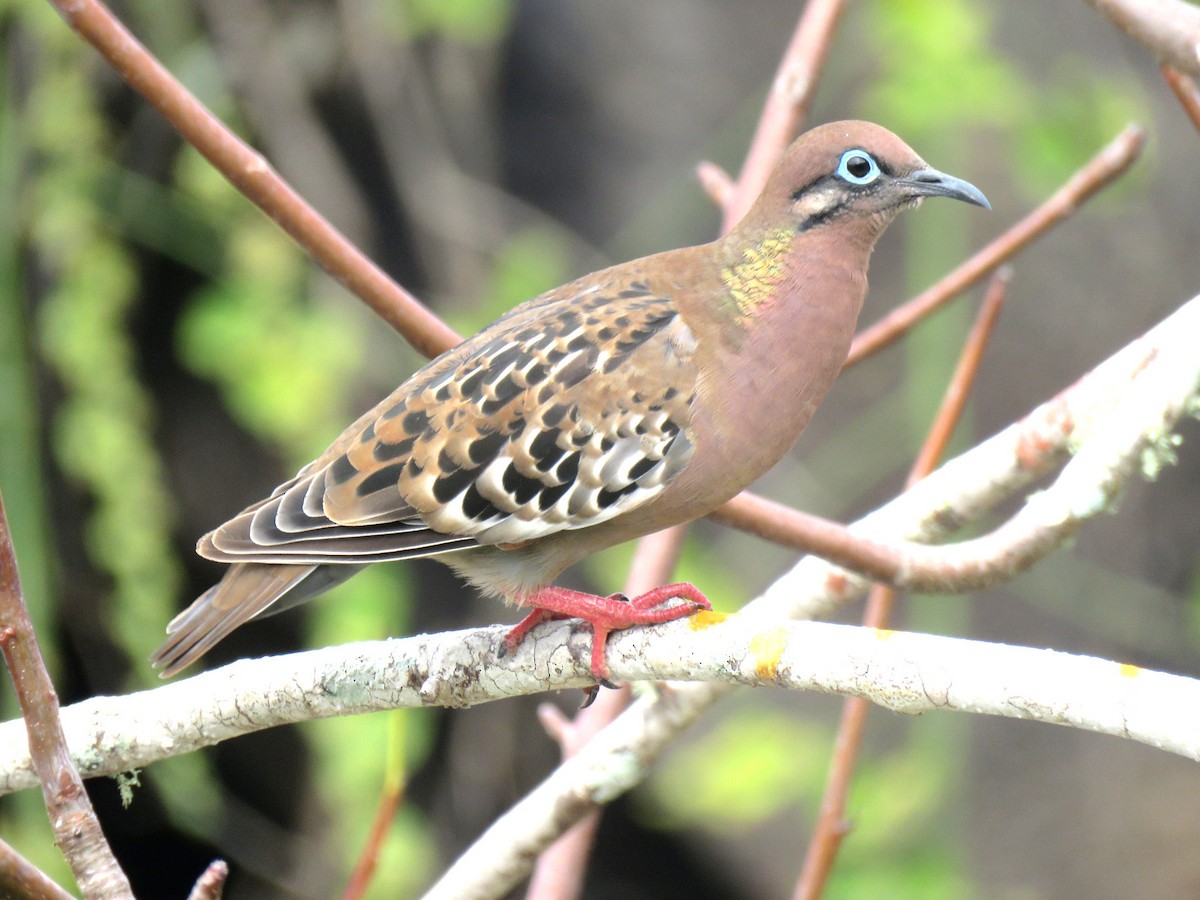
[857, 167]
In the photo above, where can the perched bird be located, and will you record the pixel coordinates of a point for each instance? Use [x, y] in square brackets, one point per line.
[632, 399]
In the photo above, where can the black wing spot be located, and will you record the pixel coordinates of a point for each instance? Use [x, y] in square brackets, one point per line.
[448, 486]
[471, 383]
[478, 507]
[368, 434]
[507, 387]
[554, 414]
[520, 487]
[550, 495]
[606, 498]
[567, 322]
[641, 467]
[500, 361]
[415, 422]
[380, 479]
[342, 470]
[568, 469]
[383, 451]
[484, 449]
[544, 448]
[536, 373]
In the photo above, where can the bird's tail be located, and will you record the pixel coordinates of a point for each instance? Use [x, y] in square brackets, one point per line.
[246, 591]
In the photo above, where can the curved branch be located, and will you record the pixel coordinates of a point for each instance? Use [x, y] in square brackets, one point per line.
[1170, 29]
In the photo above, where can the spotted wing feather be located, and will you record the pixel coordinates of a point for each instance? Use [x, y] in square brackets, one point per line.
[570, 410]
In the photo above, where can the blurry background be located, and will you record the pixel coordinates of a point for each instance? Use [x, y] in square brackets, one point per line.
[167, 356]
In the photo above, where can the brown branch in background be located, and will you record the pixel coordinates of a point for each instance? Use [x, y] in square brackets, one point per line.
[21, 878]
[76, 830]
[1104, 168]
[1186, 92]
[1170, 29]
[787, 105]
[390, 798]
[251, 174]
[831, 826]
[211, 884]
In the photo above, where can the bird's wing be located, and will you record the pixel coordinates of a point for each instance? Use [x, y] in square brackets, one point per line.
[572, 409]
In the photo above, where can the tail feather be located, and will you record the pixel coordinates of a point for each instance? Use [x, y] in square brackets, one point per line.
[245, 592]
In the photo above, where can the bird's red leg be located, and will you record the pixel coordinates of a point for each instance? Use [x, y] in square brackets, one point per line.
[605, 614]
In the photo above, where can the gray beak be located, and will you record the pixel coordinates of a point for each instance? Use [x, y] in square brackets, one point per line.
[932, 183]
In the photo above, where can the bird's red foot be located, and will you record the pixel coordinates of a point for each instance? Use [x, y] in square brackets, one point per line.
[606, 614]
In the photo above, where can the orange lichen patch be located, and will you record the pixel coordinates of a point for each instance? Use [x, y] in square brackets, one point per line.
[883, 634]
[1130, 671]
[768, 649]
[706, 618]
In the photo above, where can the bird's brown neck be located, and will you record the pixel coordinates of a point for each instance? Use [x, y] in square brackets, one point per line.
[788, 305]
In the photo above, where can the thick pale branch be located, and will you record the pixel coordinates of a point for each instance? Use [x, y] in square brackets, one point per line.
[106, 736]
[907, 673]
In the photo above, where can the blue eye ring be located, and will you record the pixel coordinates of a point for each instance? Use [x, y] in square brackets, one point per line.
[851, 167]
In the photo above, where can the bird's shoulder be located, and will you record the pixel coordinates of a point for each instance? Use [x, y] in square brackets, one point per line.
[561, 413]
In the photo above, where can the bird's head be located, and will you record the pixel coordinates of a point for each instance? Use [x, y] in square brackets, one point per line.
[852, 176]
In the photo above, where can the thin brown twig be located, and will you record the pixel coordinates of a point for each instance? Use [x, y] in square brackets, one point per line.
[831, 826]
[76, 829]
[390, 799]
[792, 90]
[1104, 168]
[251, 174]
[1186, 92]
[1170, 29]
[21, 878]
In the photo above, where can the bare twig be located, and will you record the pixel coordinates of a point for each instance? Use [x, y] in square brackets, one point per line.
[1105, 167]
[1170, 29]
[251, 174]
[716, 183]
[831, 826]
[390, 798]
[21, 878]
[211, 883]
[76, 829]
[1186, 92]
[783, 114]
